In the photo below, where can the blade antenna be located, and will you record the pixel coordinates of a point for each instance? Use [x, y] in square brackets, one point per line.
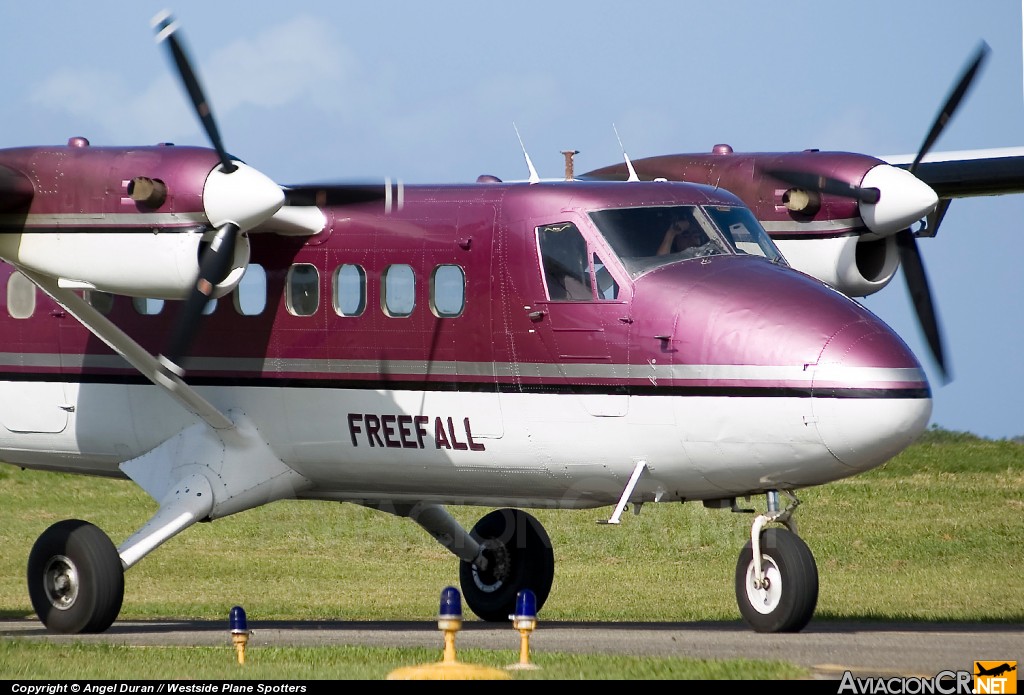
[533, 172]
[629, 164]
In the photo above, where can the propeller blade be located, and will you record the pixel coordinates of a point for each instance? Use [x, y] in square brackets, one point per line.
[910, 256]
[920, 294]
[334, 194]
[166, 30]
[825, 184]
[952, 102]
[213, 268]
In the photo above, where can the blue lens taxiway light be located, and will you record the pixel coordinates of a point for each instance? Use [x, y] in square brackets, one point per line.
[451, 604]
[526, 604]
[237, 620]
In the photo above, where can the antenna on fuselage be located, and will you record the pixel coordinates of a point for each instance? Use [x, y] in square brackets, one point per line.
[533, 172]
[629, 164]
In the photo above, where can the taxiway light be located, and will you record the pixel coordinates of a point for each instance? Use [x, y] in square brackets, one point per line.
[451, 607]
[449, 619]
[525, 621]
[239, 631]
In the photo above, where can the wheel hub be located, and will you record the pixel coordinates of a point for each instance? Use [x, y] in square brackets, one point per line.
[60, 580]
[764, 595]
[498, 565]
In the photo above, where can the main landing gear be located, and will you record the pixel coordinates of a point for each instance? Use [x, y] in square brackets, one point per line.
[776, 577]
[507, 551]
[75, 578]
[517, 554]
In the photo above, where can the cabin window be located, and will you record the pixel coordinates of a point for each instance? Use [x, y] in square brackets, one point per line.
[21, 296]
[349, 290]
[607, 288]
[447, 291]
[147, 306]
[250, 296]
[303, 289]
[399, 295]
[563, 253]
[102, 302]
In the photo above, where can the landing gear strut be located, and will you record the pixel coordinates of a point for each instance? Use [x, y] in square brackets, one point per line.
[776, 576]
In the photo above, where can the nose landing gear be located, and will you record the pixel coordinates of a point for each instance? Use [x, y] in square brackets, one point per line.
[776, 576]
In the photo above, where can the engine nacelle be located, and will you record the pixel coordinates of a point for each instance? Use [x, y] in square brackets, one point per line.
[155, 264]
[854, 265]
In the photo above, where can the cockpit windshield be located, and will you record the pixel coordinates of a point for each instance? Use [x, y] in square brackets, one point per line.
[648, 237]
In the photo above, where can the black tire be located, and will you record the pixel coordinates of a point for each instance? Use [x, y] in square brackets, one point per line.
[75, 578]
[788, 603]
[520, 556]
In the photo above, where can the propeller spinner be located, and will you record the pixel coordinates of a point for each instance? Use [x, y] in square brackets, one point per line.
[892, 199]
[236, 198]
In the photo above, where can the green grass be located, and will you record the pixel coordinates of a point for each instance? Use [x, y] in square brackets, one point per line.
[934, 535]
[23, 659]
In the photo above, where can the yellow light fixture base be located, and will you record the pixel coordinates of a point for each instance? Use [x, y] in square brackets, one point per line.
[448, 671]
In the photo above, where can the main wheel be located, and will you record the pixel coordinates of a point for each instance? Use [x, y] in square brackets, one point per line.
[519, 556]
[788, 599]
[75, 578]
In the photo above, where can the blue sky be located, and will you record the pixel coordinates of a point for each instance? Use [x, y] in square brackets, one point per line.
[334, 91]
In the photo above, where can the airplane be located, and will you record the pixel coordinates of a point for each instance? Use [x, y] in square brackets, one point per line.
[851, 219]
[995, 671]
[175, 317]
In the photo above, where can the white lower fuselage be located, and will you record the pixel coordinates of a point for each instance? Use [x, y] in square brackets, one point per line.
[519, 449]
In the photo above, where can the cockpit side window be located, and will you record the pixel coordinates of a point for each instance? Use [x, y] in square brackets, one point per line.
[607, 288]
[563, 253]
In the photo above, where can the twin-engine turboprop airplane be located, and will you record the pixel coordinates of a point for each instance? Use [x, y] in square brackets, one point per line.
[565, 344]
[849, 219]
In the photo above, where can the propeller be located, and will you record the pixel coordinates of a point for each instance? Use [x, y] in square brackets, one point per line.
[236, 198]
[906, 199]
[910, 255]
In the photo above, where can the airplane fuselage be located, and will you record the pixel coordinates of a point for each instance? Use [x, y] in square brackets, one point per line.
[726, 376]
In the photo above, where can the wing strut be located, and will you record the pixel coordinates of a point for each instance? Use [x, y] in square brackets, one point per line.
[626, 492]
[135, 354]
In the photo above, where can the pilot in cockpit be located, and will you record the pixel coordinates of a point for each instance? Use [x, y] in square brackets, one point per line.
[684, 235]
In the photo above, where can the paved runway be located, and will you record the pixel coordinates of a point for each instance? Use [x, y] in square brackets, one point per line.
[829, 649]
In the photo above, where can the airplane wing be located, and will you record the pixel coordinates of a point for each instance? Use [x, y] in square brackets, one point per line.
[968, 173]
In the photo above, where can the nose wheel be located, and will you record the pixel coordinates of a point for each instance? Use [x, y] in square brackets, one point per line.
[776, 576]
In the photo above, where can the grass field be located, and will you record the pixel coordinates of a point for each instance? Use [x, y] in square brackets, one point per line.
[934, 535]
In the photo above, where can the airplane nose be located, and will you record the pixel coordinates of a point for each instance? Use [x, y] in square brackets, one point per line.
[849, 392]
[904, 199]
[871, 398]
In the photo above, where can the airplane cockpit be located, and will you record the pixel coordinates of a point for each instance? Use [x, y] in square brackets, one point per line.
[646, 238]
